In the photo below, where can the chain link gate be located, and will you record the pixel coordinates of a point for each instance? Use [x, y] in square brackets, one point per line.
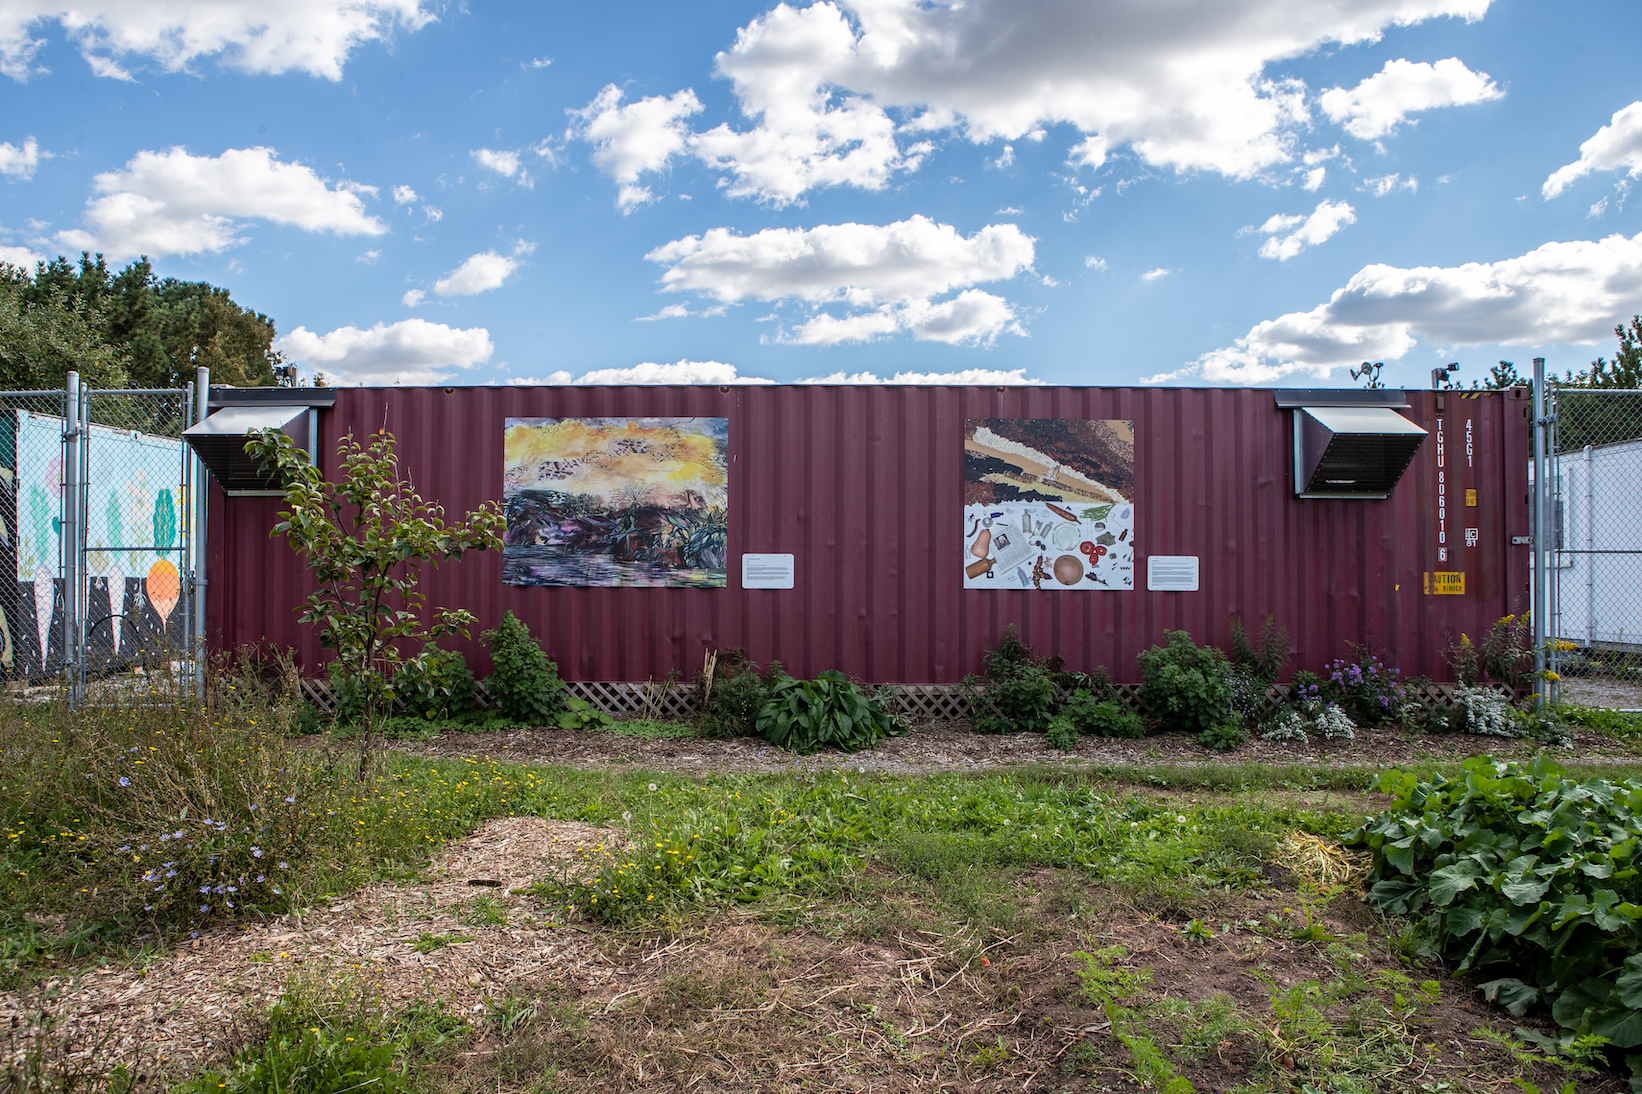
[1593, 542]
[98, 527]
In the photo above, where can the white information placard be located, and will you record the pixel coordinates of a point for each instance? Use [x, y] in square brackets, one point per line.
[1171, 573]
[766, 571]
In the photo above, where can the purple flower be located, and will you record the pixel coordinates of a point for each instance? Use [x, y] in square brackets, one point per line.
[124, 781]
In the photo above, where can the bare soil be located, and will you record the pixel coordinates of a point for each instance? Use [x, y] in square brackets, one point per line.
[848, 999]
[954, 746]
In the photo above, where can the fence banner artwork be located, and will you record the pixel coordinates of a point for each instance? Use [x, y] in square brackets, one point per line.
[134, 510]
[616, 501]
[1049, 504]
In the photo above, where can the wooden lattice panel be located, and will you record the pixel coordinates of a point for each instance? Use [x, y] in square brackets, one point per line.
[918, 702]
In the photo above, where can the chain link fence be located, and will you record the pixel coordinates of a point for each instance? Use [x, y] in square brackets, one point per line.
[138, 530]
[97, 532]
[1594, 539]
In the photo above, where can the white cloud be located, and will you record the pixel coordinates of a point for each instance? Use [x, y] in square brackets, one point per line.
[539, 62]
[173, 203]
[1617, 146]
[19, 163]
[819, 82]
[671, 311]
[403, 195]
[1557, 293]
[412, 351]
[1153, 275]
[413, 297]
[895, 270]
[860, 263]
[1598, 209]
[480, 273]
[1325, 220]
[433, 213]
[369, 257]
[680, 372]
[1093, 262]
[21, 257]
[971, 377]
[1375, 107]
[630, 140]
[258, 36]
[1314, 178]
[1387, 184]
[972, 317]
[505, 163]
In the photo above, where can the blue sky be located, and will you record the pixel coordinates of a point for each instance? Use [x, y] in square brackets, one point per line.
[1160, 191]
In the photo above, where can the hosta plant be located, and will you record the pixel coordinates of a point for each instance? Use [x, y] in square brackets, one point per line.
[1528, 878]
[804, 715]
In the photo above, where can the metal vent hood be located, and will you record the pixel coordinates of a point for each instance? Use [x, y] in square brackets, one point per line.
[219, 442]
[1350, 444]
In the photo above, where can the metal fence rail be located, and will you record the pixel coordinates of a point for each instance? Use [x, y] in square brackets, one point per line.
[1593, 533]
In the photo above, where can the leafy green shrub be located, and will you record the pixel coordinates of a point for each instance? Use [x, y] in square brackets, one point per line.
[1188, 686]
[434, 684]
[1062, 732]
[729, 706]
[524, 683]
[306, 719]
[1525, 876]
[348, 693]
[1223, 736]
[1504, 656]
[1020, 694]
[1612, 722]
[1106, 718]
[804, 715]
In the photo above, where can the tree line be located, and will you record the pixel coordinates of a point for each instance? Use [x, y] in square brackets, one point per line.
[126, 329]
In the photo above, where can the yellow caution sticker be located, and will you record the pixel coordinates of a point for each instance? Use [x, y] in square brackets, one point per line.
[1445, 584]
[1471, 498]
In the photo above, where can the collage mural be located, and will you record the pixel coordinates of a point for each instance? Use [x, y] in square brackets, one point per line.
[616, 502]
[1049, 504]
[135, 527]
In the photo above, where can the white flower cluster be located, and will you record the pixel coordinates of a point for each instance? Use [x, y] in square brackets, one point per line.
[1487, 713]
[1311, 716]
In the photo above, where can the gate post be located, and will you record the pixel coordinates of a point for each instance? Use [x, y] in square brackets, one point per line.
[70, 538]
[202, 409]
[1541, 540]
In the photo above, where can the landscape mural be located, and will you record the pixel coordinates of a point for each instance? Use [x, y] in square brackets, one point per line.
[1049, 504]
[616, 501]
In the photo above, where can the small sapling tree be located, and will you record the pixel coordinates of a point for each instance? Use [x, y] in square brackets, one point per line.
[366, 537]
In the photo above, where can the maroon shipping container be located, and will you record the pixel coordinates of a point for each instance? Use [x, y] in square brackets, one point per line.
[864, 486]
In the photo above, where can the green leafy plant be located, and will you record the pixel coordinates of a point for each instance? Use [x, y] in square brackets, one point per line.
[580, 714]
[434, 684]
[1062, 732]
[1612, 722]
[804, 715]
[1105, 718]
[523, 682]
[366, 538]
[1188, 686]
[1020, 694]
[1223, 736]
[1525, 875]
[730, 693]
[1264, 656]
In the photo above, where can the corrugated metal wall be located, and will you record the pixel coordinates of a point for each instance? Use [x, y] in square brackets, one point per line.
[863, 485]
